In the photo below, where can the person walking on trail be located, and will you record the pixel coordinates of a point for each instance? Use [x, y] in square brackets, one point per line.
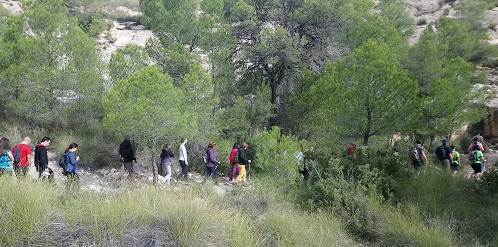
[212, 162]
[456, 160]
[233, 162]
[127, 153]
[444, 154]
[71, 164]
[476, 158]
[41, 157]
[309, 156]
[166, 156]
[241, 164]
[24, 155]
[350, 149]
[6, 157]
[418, 157]
[477, 145]
[300, 162]
[480, 139]
[182, 158]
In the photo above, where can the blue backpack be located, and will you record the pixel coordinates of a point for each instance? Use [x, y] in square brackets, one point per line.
[4, 160]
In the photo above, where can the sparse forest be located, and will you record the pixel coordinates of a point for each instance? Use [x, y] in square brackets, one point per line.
[281, 75]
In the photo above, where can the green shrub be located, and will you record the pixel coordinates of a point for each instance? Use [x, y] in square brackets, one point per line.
[273, 155]
[97, 27]
[464, 143]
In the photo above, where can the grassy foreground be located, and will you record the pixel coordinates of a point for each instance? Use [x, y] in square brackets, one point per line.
[38, 214]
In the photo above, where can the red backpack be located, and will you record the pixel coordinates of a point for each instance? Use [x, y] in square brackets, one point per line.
[232, 155]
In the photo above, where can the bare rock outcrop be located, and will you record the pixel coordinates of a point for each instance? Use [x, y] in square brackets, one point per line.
[14, 7]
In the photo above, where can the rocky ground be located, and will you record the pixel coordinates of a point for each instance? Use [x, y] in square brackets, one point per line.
[112, 179]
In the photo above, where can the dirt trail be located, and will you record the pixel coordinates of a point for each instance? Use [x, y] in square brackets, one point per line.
[111, 179]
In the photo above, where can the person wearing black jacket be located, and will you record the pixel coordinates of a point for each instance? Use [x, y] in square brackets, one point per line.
[41, 156]
[127, 153]
[166, 156]
[242, 162]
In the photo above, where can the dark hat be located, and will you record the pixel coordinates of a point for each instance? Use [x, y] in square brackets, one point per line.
[444, 141]
[476, 139]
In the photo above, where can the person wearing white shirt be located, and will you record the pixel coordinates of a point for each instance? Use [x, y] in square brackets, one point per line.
[182, 157]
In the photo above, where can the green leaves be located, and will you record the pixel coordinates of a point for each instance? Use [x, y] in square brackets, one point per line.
[144, 105]
[54, 71]
[368, 92]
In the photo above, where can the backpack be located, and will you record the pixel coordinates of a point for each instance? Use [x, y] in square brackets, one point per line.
[4, 160]
[205, 158]
[236, 157]
[441, 153]
[476, 147]
[232, 156]
[17, 155]
[62, 161]
[473, 157]
[414, 155]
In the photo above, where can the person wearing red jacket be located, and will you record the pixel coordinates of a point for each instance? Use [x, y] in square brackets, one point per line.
[25, 156]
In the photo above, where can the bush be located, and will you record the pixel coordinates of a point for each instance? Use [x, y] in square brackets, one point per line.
[421, 22]
[465, 143]
[274, 157]
[97, 27]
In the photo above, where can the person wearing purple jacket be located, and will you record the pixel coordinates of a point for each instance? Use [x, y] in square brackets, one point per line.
[212, 162]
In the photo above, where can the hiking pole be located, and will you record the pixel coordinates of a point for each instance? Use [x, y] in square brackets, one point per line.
[249, 171]
[211, 173]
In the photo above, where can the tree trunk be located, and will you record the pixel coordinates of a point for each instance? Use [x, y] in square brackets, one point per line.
[154, 164]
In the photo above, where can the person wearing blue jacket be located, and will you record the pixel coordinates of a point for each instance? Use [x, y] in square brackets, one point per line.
[71, 163]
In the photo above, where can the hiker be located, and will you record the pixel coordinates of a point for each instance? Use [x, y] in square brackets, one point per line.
[418, 157]
[476, 144]
[351, 148]
[476, 158]
[241, 164]
[309, 156]
[182, 158]
[444, 154]
[212, 163]
[24, 156]
[166, 156]
[300, 162]
[41, 157]
[233, 162]
[456, 160]
[127, 153]
[71, 163]
[6, 157]
[480, 139]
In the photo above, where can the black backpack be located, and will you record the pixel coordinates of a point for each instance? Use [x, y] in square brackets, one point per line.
[17, 155]
[62, 161]
[476, 147]
[441, 153]
[414, 153]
